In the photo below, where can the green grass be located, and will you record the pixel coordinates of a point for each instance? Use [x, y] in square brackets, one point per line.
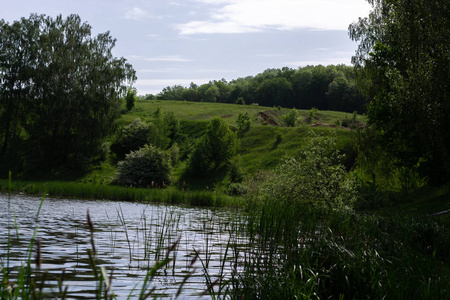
[205, 111]
[112, 192]
[302, 253]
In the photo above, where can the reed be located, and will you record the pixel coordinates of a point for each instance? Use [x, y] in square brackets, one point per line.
[275, 250]
[112, 192]
[300, 253]
[29, 281]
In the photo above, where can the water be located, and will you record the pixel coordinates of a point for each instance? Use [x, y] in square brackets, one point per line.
[129, 238]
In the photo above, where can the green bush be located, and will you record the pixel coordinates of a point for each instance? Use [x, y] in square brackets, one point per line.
[130, 98]
[146, 167]
[214, 150]
[240, 101]
[243, 122]
[131, 138]
[314, 178]
[291, 117]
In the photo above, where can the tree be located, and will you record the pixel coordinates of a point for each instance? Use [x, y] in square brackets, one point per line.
[291, 117]
[212, 94]
[62, 86]
[18, 63]
[215, 149]
[243, 122]
[315, 178]
[131, 138]
[275, 91]
[403, 62]
[146, 167]
[130, 98]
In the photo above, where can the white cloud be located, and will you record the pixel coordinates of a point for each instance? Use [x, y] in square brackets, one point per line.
[168, 58]
[320, 61]
[163, 58]
[238, 16]
[136, 14]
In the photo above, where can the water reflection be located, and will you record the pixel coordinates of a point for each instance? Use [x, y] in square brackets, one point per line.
[129, 238]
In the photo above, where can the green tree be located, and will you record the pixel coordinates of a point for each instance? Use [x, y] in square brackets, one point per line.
[243, 122]
[130, 98]
[275, 91]
[212, 94]
[291, 117]
[62, 85]
[403, 62]
[18, 64]
[175, 92]
[316, 178]
[215, 149]
[131, 138]
[146, 167]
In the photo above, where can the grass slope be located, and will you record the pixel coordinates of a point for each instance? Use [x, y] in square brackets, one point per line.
[264, 145]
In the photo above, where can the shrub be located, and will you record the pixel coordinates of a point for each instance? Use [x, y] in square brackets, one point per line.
[174, 152]
[130, 98]
[243, 122]
[240, 101]
[315, 178]
[235, 171]
[215, 149]
[131, 138]
[146, 167]
[291, 118]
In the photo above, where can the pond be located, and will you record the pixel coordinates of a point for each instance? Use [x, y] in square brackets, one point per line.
[128, 240]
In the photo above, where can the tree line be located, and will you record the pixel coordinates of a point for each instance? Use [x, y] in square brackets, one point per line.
[330, 87]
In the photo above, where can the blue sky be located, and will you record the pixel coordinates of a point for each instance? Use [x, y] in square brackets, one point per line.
[181, 41]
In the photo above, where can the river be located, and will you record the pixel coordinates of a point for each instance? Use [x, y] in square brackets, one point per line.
[128, 239]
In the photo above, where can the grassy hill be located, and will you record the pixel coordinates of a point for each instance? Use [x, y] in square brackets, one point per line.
[204, 111]
[263, 146]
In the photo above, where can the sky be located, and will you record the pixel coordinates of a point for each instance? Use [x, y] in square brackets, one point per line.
[171, 42]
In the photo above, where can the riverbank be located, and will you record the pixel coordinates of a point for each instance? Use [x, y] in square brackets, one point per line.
[169, 195]
[298, 251]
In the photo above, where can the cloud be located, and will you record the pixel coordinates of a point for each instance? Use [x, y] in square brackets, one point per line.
[136, 14]
[168, 58]
[241, 16]
[162, 58]
[321, 61]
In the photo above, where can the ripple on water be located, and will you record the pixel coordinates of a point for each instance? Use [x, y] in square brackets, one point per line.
[129, 238]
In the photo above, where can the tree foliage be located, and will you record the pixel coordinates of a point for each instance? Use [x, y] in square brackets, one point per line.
[243, 122]
[315, 178]
[327, 88]
[60, 87]
[146, 167]
[291, 117]
[132, 137]
[215, 149]
[403, 62]
[130, 98]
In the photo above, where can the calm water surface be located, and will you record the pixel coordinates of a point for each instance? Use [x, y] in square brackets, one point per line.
[128, 237]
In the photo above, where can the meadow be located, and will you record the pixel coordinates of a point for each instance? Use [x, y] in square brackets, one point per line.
[390, 246]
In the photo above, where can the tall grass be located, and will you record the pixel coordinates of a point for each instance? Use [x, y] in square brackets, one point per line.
[113, 192]
[28, 281]
[291, 251]
[304, 253]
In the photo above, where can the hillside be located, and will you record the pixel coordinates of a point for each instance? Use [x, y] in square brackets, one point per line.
[262, 147]
[204, 111]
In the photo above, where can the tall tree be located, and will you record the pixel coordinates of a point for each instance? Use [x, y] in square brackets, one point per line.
[403, 60]
[64, 84]
[215, 149]
[18, 63]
